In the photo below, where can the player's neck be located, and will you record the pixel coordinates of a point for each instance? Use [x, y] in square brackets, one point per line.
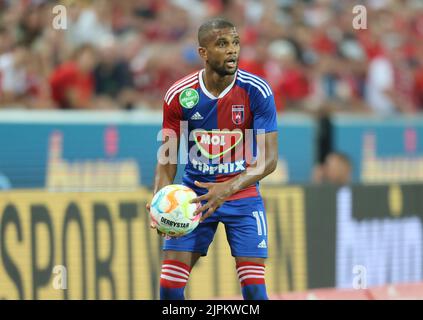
[215, 83]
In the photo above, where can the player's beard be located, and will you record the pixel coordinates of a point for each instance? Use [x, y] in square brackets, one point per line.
[221, 69]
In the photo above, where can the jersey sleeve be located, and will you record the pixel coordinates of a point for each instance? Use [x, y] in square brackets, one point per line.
[172, 117]
[264, 112]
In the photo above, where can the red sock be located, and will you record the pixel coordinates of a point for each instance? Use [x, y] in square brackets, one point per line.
[175, 274]
[250, 273]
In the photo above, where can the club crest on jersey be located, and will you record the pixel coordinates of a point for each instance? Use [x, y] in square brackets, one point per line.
[189, 98]
[213, 144]
[237, 114]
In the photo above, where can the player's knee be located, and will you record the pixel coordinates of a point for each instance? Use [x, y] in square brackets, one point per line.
[260, 261]
[185, 257]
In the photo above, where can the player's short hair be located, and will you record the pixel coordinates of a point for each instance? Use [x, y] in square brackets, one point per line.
[205, 28]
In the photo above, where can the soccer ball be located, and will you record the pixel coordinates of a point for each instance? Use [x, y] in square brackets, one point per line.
[172, 212]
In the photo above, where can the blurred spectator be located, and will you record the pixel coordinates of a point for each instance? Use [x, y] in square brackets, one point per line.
[253, 58]
[418, 88]
[113, 78]
[418, 77]
[72, 83]
[289, 82]
[14, 75]
[380, 84]
[39, 91]
[32, 22]
[6, 41]
[335, 170]
[89, 24]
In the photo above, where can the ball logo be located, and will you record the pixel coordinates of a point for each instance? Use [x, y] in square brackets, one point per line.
[189, 98]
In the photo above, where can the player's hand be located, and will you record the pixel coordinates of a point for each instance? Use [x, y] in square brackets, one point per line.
[152, 224]
[215, 197]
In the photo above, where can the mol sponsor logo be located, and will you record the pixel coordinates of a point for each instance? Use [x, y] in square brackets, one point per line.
[213, 144]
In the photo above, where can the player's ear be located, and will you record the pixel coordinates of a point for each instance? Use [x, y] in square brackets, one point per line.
[203, 53]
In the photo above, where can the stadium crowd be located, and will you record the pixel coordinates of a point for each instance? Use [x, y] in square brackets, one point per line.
[125, 54]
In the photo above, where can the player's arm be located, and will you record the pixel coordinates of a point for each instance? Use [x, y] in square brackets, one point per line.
[166, 168]
[167, 154]
[265, 164]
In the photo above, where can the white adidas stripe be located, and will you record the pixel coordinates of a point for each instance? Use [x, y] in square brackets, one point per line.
[250, 267]
[250, 271]
[255, 77]
[183, 275]
[247, 74]
[180, 89]
[256, 82]
[253, 84]
[251, 277]
[172, 278]
[177, 85]
[167, 266]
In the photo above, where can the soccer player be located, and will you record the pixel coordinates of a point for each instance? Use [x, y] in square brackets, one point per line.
[220, 106]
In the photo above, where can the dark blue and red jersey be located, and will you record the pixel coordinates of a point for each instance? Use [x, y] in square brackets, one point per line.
[221, 132]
